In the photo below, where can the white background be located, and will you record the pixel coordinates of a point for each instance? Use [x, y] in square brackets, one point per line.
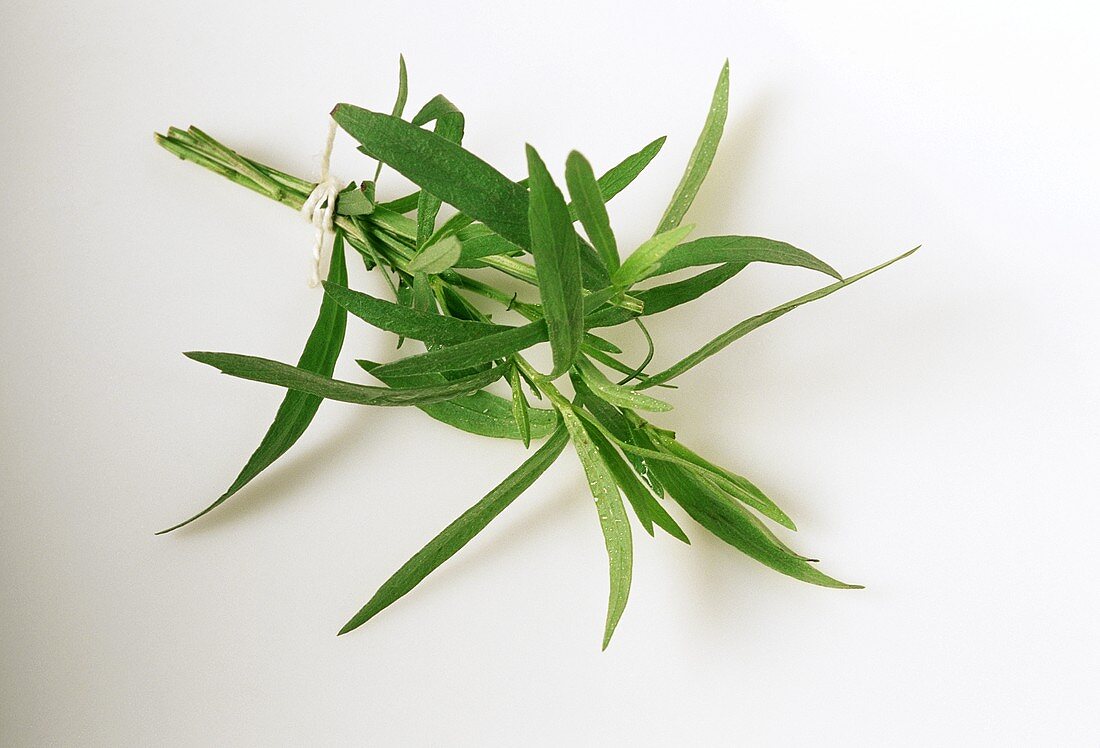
[933, 430]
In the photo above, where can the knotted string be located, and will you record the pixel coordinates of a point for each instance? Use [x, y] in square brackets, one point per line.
[320, 207]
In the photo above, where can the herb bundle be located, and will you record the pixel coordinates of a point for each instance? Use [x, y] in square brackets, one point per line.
[528, 231]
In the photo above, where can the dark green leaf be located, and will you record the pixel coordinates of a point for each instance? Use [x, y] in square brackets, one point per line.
[461, 531]
[743, 328]
[648, 509]
[737, 486]
[481, 413]
[663, 298]
[589, 206]
[701, 156]
[618, 177]
[399, 103]
[557, 263]
[470, 353]
[613, 520]
[298, 408]
[443, 168]
[284, 375]
[449, 124]
[731, 522]
[408, 322]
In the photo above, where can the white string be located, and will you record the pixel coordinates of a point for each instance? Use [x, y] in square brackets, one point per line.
[320, 206]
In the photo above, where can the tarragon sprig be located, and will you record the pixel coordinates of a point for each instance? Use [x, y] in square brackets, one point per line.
[528, 231]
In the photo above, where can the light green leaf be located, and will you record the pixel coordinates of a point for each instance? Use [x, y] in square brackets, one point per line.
[284, 375]
[744, 328]
[461, 531]
[435, 258]
[557, 264]
[701, 157]
[624, 397]
[651, 251]
[298, 408]
[520, 408]
[589, 206]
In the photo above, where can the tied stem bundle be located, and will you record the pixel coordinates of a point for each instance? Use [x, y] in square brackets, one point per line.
[527, 231]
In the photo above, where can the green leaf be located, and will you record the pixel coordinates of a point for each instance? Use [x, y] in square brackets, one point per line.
[743, 328]
[435, 258]
[701, 157]
[284, 375]
[648, 509]
[449, 124]
[618, 177]
[613, 520]
[461, 531]
[714, 250]
[624, 397]
[557, 264]
[298, 408]
[356, 201]
[520, 408]
[735, 485]
[470, 353]
[481, 413]
[589, 206]
[479, 241]
[402, 204]
[731, 522]
[443, 168]
[651, 251]
[408, 322]
[399, 104]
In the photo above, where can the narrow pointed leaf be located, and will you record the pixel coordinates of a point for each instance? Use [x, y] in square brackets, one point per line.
[716, 250]
[619, 177]
[646, 507]
[588, 204]
[284, 375]
[557, 263]
[647, 256]
[737, 486]
[399, 103]
[443, 168]
[409, 322]
[438, 257]
[449, 124]
[481, 413]
[461, 531]
[520, 408]
[297, 408]
[613, 520]
[744, 328]
[470, 353]
[731, 522]
[616, 394]
[701, 157]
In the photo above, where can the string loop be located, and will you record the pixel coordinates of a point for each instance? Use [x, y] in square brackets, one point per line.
[320, 207]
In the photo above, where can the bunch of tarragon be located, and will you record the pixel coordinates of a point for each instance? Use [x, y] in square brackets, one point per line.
[528, 231]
